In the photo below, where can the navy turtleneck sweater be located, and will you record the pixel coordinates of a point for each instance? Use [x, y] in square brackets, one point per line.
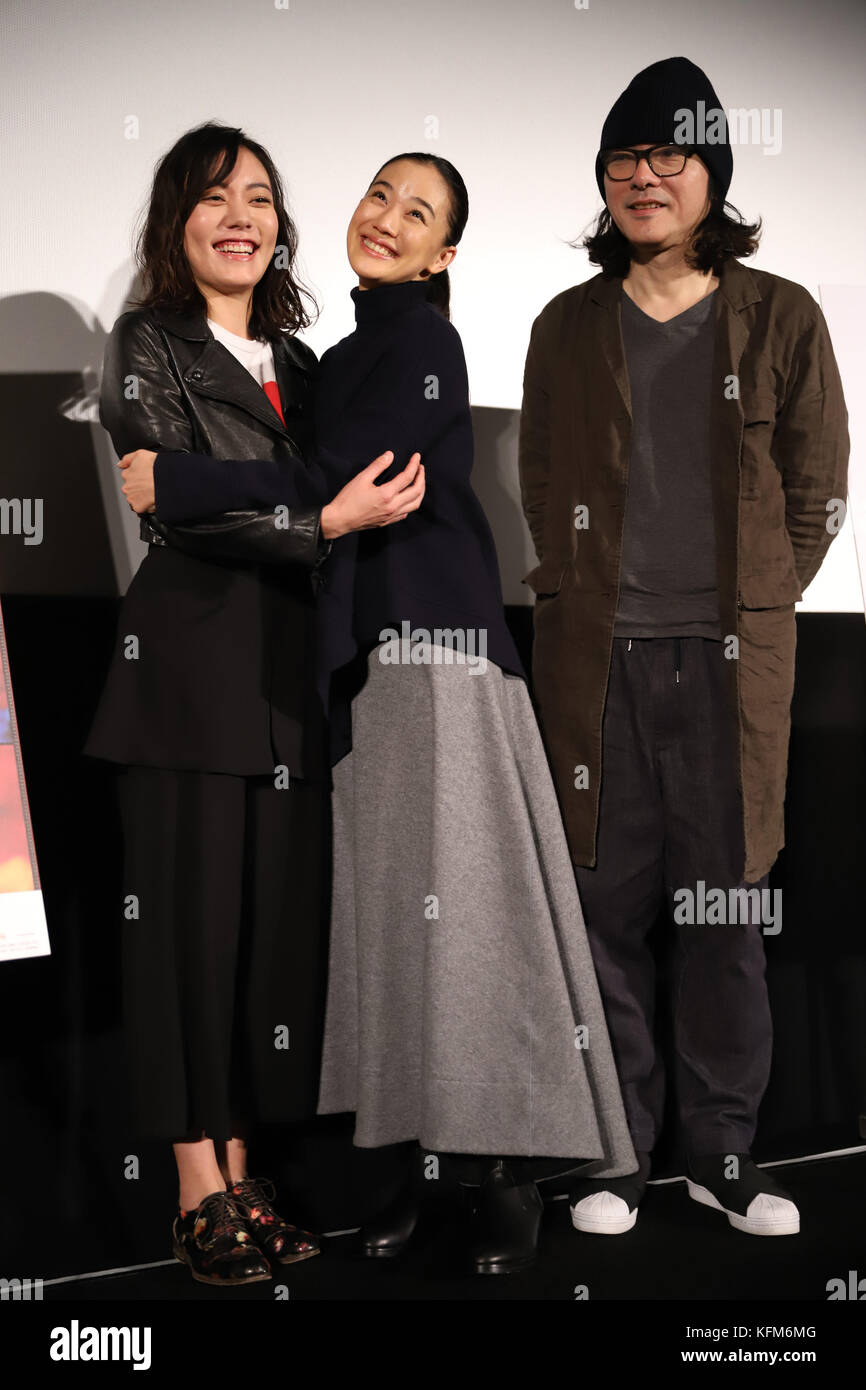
[397, 382]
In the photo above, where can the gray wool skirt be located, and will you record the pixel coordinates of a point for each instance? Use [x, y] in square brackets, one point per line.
[463, 1009]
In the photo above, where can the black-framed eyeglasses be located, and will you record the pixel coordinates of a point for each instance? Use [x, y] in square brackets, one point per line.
[664, 160]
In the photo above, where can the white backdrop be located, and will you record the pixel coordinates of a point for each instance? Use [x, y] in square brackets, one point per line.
[514, 93]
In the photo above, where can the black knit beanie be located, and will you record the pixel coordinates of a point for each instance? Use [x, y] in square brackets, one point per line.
[646, 113]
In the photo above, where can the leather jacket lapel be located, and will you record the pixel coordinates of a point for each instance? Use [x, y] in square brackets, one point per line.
[215, 373]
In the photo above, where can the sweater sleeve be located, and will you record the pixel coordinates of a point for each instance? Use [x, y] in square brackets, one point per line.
[189, 486]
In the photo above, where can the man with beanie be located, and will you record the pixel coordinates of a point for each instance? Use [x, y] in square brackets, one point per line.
[683, 457]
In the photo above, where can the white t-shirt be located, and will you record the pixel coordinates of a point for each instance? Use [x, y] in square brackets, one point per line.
[256, 356]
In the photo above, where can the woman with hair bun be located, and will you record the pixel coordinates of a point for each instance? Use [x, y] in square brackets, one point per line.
[463, 1013]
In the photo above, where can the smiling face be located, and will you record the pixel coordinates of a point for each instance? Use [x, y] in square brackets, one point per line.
[231, 233]
[399, 229]
[656, 214]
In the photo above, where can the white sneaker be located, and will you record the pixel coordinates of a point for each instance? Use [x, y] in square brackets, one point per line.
[766, 1214]
[608, 1206]
[603, 1214]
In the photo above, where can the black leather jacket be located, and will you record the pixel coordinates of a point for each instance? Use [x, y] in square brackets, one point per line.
[178, 369]
[213, 667]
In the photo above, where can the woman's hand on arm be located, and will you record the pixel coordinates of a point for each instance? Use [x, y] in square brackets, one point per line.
[361, 504]
[138, 485]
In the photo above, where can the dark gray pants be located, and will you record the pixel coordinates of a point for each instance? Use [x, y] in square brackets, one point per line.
[670, 817]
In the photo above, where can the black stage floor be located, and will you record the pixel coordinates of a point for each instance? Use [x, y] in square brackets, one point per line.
[679, 1250]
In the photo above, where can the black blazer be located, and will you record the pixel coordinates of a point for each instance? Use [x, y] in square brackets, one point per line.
[213, 664]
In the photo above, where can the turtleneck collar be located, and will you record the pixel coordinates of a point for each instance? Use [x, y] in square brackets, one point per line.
[383, 301]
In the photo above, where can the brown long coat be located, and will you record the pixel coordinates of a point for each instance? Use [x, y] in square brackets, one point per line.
[779, 457]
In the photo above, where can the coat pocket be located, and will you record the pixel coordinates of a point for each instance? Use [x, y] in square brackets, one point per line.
[759, 422]
[546, 579]
[777, 588]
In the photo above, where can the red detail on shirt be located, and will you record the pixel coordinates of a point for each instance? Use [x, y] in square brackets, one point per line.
[271, 390]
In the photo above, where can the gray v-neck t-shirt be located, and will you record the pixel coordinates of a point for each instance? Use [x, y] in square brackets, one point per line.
[668, 585]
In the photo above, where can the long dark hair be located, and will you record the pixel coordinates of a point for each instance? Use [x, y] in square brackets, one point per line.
[718, 238]
[199, 159]
[439, 285]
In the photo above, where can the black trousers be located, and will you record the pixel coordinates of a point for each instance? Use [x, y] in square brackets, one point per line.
[224, 950]
[670, 817]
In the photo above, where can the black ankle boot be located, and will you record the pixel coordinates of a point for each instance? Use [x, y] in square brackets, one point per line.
[388, 1234]
[507, 1221]
[408, 1218]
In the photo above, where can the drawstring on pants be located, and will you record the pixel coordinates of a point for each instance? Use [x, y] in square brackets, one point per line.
[678, 656]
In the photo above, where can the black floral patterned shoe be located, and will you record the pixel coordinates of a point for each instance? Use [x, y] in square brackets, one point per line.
[281, 1242]
[216, 1244]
